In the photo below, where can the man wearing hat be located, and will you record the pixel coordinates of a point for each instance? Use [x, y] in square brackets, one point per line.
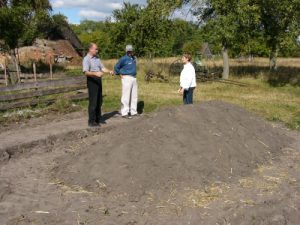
[126, 69]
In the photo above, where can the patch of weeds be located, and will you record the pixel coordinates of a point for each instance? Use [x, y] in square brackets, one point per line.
[63, 105]
[19, 114]
[73, 72]
[295, 123]
[275, 118]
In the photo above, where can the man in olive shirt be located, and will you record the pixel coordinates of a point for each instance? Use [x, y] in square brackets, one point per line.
[94, 70]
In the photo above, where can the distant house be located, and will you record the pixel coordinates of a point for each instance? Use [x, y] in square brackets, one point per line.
[63, 51]
[206, 51]
[66, 33]
[64, 45]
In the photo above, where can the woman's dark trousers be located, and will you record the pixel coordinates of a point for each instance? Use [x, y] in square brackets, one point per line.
[188, 96]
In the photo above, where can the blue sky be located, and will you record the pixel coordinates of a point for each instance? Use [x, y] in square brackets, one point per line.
[77, 10]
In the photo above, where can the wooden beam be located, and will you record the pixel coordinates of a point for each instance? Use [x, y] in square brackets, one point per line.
[5, 75]
[39, 93]
[43, 84]
[34, 71]
[28, 76]
[35, 102]
[51, 71]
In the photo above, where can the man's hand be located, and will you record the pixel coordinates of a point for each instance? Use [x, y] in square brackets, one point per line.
[112, 73]
[94, 74]
[99, 74]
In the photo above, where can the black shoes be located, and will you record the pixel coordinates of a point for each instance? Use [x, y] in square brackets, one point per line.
[131, 116]
[127, 117]
[94, 124]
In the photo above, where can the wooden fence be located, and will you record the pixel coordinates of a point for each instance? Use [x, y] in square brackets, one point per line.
[28, 94]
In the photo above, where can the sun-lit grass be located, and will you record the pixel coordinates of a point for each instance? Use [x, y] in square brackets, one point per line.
[280, 103]
[274, 103]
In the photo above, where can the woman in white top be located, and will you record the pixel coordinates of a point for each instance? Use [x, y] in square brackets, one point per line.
[187, 80]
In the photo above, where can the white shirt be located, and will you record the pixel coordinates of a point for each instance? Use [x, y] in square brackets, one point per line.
[188, 77]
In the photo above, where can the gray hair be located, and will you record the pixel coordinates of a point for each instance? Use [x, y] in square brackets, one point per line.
[92, 44]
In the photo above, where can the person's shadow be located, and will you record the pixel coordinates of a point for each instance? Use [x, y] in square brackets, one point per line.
[140, 107]
[109, 115]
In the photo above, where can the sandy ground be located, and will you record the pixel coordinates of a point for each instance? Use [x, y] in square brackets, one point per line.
[212, 163]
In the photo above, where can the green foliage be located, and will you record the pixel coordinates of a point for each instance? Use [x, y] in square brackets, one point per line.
[245, 27]
[39, 26]
[192, 47]
[35, 5]
[250, 26]
[21, 21]
[13, 27]
[151, 34]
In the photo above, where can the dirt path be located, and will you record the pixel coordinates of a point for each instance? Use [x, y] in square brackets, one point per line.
[38, 131]
[54, 182]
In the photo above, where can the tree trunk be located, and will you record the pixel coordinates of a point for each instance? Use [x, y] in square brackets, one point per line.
[273, 60]
[225, 63]
[16, 62]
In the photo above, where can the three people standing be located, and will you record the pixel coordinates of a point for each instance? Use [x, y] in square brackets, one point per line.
[127, 70]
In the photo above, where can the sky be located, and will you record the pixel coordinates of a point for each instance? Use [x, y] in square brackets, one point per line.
[77, 10]
[98, 10]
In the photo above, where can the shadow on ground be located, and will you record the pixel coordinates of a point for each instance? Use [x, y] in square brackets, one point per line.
[281, 77]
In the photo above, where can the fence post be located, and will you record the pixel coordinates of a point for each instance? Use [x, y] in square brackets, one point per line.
[5, 75]
[51, 72]
[16, 54]
[34, 71]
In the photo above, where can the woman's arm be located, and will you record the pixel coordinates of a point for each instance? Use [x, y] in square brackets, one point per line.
[185, 79]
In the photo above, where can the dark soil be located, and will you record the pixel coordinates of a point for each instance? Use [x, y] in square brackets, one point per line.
[191, 147]
[212, 163]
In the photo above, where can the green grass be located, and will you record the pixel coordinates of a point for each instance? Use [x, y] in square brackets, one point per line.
[279, 104]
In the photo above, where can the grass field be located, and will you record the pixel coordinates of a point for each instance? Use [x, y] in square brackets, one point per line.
[274, 102]
[275, 97]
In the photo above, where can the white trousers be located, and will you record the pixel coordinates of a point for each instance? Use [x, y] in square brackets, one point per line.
[129, 96]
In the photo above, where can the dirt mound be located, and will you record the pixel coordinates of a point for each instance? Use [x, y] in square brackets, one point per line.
[186, 147]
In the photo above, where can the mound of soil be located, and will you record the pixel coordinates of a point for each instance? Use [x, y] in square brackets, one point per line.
[186, 147]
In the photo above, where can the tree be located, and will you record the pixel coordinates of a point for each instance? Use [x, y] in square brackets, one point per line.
[35, 5]
[192, 47]
[124, 30]
[30, 17]
[3, 3]
[280, 20]
[222, 20]
[12, 27]
[147, 28]
[16, 22]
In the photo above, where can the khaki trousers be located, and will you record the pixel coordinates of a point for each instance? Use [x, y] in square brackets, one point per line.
[129, 95]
